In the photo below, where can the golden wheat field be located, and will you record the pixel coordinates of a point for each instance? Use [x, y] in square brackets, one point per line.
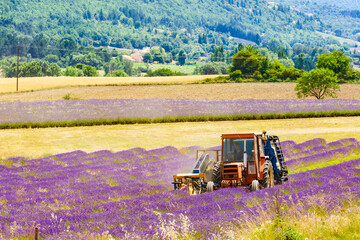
[191, 91]
[37, 83]
[40, 142]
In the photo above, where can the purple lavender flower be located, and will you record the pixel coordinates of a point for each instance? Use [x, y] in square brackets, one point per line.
[128, 193]
[59, 110]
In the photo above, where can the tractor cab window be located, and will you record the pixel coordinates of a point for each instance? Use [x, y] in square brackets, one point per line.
[238, 150]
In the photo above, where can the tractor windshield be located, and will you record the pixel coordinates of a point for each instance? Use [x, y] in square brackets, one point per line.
[238, 149]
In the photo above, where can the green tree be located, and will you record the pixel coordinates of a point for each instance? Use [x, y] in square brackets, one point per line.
[265, 65]
[163, 72]
[247, 60]
[106, 68]
[300, 63]
[91, 59]
[33, 69]
[114, 53]
[181, 57]
[51, 58]
[235, 74]
[53, 70]
[128, 67]
[147, 58]
[218, 55]
[119, 73]
[66, 46]
[73, 72]
[319, 83]
[90, 71]
[38, 46]
[212, 68]
[158, 54]
[336, 61]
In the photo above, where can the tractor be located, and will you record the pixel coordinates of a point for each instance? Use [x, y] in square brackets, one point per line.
[253, 160]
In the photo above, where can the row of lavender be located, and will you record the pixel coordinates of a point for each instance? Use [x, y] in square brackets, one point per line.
[317, 151]
[127, 194]
[60, 110]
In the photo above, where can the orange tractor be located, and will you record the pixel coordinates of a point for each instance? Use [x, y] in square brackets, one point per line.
[245, 159]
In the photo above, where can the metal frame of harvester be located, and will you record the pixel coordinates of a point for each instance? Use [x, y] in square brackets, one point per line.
[245, 160]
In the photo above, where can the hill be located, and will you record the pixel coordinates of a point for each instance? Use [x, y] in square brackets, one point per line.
[341, 18]
[141, 23]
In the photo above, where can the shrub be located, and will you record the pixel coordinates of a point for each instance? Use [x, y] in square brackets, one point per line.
[212, 68]
[90, 71]
[73, 72]
[235, 74]
[53, 70]
[163, 72]
[52, 58]
[292, 74]
[119, 73]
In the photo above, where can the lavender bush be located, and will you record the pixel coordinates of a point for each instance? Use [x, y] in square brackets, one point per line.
[127, 194]
[60, 110]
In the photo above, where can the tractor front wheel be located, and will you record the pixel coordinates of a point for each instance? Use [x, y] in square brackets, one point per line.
[216, 178]
[268, 175]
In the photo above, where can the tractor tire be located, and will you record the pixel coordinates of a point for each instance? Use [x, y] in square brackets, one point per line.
[210, 186]
[268, 175]
[255, 185]
[216, 178]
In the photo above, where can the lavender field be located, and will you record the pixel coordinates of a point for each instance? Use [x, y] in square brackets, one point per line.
[128, 194]
[60, 110]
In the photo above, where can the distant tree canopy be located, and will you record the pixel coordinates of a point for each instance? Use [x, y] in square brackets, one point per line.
[249, 63]
[212, 68]
[247, 60]
[146, 23]
[33, 69]
[336, 61]
[181, 57]
[163, 72]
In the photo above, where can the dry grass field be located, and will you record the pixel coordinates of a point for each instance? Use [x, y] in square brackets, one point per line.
[41, 142]
[191, 91]
[38, 83]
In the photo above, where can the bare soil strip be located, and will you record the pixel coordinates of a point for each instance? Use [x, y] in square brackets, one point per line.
[190, 91]
[41, 142]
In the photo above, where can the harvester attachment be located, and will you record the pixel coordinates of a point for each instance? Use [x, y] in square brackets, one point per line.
[201, 178]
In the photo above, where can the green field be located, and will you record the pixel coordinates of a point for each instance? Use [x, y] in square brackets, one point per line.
[187, 69]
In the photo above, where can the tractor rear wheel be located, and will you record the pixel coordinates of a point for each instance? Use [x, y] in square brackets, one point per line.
[216, 178]
[268, 175]
[255, 185]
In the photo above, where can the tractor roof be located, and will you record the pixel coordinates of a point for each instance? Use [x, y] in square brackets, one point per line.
[239, 135]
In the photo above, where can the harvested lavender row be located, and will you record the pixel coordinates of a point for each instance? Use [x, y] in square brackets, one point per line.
[128, 194]
[60, 110]
[292, 150]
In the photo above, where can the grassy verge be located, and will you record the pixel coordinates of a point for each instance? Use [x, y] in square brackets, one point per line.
[342, 225]
[172, 119]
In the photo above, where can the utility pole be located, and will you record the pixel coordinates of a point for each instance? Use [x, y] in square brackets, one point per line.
[17, 72]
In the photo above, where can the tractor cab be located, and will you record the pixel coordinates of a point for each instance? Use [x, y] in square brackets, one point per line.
[251, 159]
[240, 159]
